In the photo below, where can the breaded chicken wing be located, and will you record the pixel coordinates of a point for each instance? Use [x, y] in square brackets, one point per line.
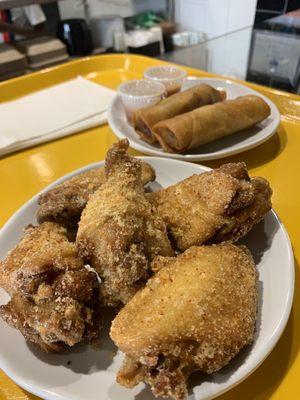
[119, 231]
[64, 203]
[195, 314]
[212, 207]
[54, 299]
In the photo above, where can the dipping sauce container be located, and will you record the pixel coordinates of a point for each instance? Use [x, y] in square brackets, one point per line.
[171, 77]
[139, 94]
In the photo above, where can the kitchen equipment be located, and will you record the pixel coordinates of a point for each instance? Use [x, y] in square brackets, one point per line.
[275, 59]
[76, 34]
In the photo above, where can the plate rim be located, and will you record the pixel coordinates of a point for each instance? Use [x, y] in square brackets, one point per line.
[257, 359]
[197, 157]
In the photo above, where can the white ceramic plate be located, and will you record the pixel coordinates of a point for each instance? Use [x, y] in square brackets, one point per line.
[91, 373]
[224, 147]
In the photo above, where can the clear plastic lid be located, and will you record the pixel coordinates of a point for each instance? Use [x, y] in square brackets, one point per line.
[165, 74]
[141, 88]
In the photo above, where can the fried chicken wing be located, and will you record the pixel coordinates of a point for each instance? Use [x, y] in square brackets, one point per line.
[119, 231]
[54, 298]
[64, 203]
[212, 207]
[195, 314]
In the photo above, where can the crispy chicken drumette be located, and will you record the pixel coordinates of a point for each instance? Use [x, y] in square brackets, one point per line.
[120, 231]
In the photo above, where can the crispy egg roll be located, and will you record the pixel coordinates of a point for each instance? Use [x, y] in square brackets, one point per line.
[197, 96]
[206, 124]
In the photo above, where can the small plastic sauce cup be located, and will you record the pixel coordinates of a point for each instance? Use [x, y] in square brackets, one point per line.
[138, 94]
[171, 77]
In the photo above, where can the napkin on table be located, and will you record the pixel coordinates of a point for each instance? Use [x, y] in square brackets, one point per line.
[52, 113]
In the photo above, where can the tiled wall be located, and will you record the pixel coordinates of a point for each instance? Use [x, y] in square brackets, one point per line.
[227, 25]
[225, 55]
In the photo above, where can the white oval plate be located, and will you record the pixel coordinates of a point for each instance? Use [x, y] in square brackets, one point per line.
[91, 373]
[224, 147]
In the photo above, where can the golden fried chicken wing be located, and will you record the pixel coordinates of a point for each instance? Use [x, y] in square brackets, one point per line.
[212, 207]
[64, 203]
[119, 231]
[195, 314]
[54, 298]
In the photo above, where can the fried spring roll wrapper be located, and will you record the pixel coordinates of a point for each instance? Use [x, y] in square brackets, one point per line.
[209, 123]
[197, 96]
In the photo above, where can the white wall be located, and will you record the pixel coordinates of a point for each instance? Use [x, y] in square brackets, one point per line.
[214, 17]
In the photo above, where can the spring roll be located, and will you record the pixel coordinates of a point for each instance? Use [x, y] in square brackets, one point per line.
[197, 96]
[206, 124]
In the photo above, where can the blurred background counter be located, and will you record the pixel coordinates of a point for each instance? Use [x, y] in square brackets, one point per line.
[250, 40]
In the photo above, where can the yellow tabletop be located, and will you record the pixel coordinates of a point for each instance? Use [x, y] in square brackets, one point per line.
[24, 173]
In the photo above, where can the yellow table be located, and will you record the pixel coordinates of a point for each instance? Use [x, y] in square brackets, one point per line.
[25, 173]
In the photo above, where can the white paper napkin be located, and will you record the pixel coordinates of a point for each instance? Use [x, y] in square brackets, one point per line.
[51, 113]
